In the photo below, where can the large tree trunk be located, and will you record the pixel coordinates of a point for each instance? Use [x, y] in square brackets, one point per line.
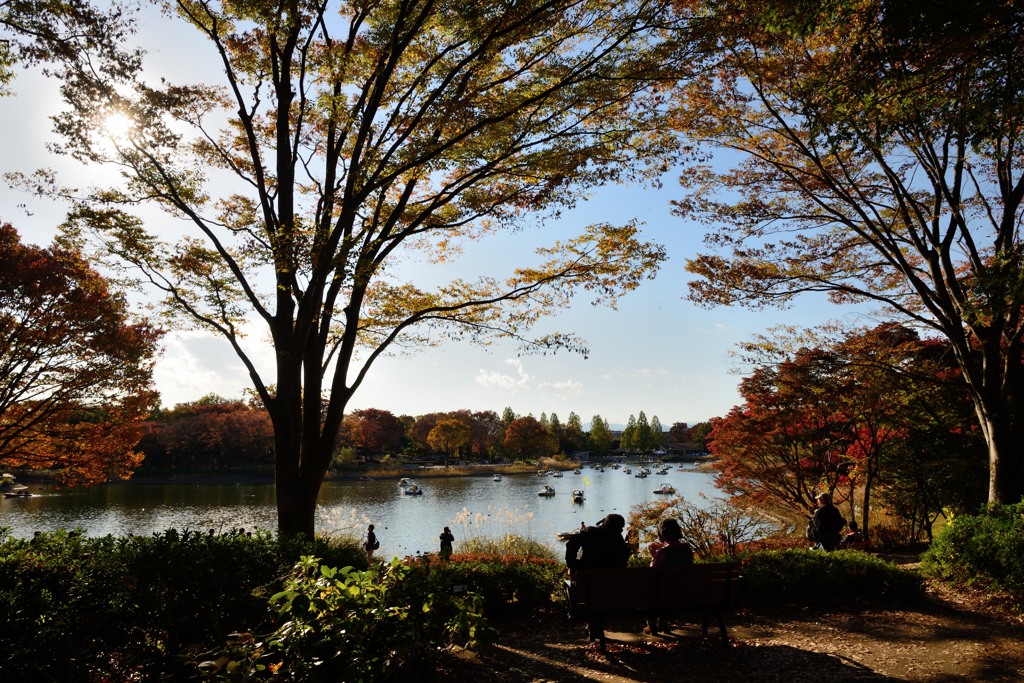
[1005, 483]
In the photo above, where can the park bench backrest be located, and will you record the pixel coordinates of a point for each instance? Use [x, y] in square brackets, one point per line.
[638, 588]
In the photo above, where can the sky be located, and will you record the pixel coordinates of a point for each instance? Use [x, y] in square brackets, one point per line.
[657, 353]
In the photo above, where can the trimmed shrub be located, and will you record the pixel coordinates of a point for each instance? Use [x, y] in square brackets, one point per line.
[506, 583]
[74, 608]
[814, 577]
[984, 550]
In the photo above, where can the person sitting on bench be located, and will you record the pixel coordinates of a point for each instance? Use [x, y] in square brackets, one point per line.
[668, 551]
[597, 547]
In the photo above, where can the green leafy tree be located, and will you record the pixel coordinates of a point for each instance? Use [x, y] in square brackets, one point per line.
[346, 140]
[599, 439]
[507, 416]
[881, 162]
[643, 440]
[572, 437]
[657, 433]
[53, 32]
[627, 440]
[698, 434]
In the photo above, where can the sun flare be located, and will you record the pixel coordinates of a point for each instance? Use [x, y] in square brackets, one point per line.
[118, 126]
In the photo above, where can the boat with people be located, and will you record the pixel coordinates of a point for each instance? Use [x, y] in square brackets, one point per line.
[641, 473]
[665, 488]
[413, 490]
[546, 491]
[577, 495]
[12, 490]
[577, 471]
[404, 482]
[554, 473]
[496, 477]
[627, 471]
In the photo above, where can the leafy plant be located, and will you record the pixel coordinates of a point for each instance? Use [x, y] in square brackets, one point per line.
[985, 550]
[116, 608]
[351, 625]
[814, 577]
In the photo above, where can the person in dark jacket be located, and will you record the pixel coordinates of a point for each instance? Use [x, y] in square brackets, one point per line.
[828, 523]
[597, 547]
[446, 543]
[371, 544]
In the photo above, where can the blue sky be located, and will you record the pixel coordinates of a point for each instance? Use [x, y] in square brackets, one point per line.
[657, 353]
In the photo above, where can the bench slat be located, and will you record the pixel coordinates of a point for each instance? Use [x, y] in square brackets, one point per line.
[707, 587]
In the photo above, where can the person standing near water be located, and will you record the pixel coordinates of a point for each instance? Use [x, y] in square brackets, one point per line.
[446, 543]
[371, 544]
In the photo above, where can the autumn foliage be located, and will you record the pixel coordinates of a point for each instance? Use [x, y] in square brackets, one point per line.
[75, 372]
[879, 411]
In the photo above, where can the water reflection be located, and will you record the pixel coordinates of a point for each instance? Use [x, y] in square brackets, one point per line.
[471, 506]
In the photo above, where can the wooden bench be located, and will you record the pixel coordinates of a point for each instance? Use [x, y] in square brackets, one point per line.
[706, 588]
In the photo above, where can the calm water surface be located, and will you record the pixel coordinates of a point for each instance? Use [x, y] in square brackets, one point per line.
[471, 506]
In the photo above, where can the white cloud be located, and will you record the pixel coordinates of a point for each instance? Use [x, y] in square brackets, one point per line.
[639, 373]
[194, 364]
[503, 381]
[563, 389]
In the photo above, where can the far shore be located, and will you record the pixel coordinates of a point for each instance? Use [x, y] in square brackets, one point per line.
[367, 474]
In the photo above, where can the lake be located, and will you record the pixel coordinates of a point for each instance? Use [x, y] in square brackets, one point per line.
[471, 506]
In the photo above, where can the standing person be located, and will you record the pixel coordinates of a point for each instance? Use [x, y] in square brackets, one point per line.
[446, 543]
[828, 523]
[597, 547]
[371, 544]
[668, 551]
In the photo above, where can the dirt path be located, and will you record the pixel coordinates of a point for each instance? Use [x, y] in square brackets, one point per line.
[947, 637]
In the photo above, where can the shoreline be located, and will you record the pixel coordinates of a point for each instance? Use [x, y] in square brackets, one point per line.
[428, 472]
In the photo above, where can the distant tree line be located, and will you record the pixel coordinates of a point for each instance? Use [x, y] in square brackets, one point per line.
[215, 433]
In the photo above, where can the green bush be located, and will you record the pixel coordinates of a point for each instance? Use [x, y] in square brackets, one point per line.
[350, 625]
[814, 577]
[74, 608]
[506, 583]
[984, 550]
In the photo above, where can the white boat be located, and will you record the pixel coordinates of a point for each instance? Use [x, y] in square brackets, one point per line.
[628, 471]
[641, 474]
[19, 491]
[404, 482]
[413, 490]
[577, 495]
[554, 473]
[665, 488]
[546, 491]
[577, 471]
[496, 477]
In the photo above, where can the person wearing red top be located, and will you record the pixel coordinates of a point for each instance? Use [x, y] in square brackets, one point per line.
[668, 551]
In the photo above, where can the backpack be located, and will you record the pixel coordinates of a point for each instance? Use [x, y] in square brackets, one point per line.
[376, 544]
